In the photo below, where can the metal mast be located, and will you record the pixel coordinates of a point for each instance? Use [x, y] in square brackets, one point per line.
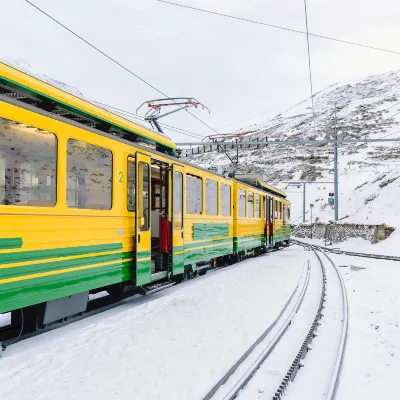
[335, 171]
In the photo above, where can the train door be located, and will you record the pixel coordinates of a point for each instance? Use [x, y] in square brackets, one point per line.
[177, 221]
[161, 226]
[143, 219]
[271, 221]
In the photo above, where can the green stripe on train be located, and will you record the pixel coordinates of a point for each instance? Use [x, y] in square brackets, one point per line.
[48, 288]
[210, 231]
[33, 255]
[10, 243]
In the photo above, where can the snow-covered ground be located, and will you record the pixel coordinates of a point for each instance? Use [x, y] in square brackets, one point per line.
[172, 345]
[371, 363]
[178, 343]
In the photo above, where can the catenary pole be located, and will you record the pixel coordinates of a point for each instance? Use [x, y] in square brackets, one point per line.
[335, 171]
[304, 202]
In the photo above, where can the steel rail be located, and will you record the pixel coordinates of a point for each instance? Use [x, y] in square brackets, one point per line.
[345, 252]
[297, 364]
[238, 385]
[333, 383]
[345, 322]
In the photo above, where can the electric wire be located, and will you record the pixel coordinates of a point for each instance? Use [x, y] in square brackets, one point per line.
[112, 60]
[309, 64]
[279, 27]
[140, 118]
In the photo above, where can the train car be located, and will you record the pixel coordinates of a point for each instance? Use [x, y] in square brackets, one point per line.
[90, 201]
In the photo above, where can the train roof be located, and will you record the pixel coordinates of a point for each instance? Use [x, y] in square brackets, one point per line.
[27, 89]
[256, 180]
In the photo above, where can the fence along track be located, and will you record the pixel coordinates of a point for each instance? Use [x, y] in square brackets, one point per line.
[291, 374]
[268, 349]
[347, 253]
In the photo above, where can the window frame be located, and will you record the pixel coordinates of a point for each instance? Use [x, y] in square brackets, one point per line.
[245, 203]
[55, 192]
[127, 183]
[248, 196]
[182, 200]
[145, 163]
[206, 201]
[202, 193]
[257, 196]
[220, 200]
[113, 169]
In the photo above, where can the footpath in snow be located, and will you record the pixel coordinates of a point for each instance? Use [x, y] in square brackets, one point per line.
[173, 345]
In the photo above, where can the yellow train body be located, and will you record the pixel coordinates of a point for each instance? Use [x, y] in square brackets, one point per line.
[91, 211]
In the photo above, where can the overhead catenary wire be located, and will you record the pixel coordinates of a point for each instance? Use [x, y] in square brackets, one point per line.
[309, 64]
[142, 119]
[279, 27]
[113, 60]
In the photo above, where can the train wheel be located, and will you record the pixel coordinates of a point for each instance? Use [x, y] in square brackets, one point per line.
[178, 278]
[117, 289]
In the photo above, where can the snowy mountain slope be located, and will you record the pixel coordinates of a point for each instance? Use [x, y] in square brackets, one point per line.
[368, 181]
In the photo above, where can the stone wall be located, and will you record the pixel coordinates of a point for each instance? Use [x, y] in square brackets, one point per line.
[337, 233]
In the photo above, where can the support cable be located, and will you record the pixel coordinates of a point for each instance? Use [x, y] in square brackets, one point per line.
[309, 65]
[116, 62]
[279, 27]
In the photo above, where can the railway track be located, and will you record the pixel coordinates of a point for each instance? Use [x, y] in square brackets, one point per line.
[344, 252]
[316, 310]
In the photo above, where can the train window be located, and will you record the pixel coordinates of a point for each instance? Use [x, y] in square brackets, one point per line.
[178, 200]
[258, 208]
[211, 197]
[276, 209]
[131, 184]
[194, 194]
[242, 203]
[28, 164]
[89, 176]
[144, 199]
[250, 205]
[225, 200]
[288, 213]
[284, 213]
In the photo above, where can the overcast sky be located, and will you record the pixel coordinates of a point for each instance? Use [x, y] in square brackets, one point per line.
[237, 69]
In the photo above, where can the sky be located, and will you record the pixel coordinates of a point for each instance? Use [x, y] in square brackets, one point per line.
[237, 69]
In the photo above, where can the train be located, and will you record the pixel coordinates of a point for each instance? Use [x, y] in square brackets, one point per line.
[92, 202]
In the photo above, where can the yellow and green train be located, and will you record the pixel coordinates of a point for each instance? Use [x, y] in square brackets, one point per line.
[90, 201]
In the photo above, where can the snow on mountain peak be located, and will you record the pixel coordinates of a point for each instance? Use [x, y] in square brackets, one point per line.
[368, 173]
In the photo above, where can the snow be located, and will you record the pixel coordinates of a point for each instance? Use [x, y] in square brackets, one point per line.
[173, 345]
[389, 246]
[371, 362]
[270, 375]
[314, 380]
[369, 175]
[24, 66]
[5, 319]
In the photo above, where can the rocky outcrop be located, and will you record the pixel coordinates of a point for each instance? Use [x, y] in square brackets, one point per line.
[337, 233]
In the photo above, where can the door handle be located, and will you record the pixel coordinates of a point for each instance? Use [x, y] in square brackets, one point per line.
[138, 238]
